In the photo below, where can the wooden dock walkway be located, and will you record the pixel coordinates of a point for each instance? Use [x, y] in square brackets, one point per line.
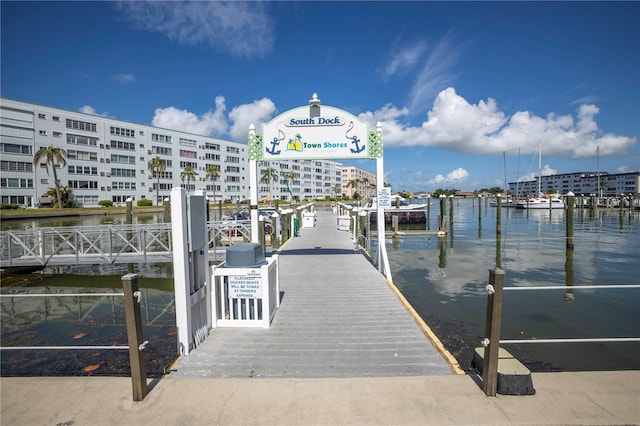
[338, 318]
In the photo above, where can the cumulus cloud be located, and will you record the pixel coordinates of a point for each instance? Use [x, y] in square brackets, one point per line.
[241, 29]
[453, 178]
[245, 115]
[216, 122]
[455, 124]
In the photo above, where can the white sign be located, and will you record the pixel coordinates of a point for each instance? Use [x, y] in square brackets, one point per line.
[335, 134]
[245, 287]
[384, 197]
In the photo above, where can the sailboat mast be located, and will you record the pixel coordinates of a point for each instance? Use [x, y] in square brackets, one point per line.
[518, 175]
[599, 189]
[539, 167]
[504, 162]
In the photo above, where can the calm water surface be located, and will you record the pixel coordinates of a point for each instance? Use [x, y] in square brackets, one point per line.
[443, 278]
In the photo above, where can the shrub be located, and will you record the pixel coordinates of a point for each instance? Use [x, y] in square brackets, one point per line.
[144, 203]
[4, 206]
[105, 203]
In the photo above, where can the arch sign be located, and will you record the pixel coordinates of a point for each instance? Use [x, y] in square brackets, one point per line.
[316, 132]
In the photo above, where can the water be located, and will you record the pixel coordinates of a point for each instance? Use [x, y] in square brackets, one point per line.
[443, 278]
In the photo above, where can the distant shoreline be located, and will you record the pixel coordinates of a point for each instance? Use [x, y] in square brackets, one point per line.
[40, 213]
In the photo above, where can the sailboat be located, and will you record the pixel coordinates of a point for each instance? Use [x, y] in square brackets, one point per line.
[541, 201]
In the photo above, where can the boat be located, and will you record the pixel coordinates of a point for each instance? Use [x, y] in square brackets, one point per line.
[542, 201]
[400, 207]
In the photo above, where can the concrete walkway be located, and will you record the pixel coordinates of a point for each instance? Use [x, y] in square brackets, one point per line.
[603, 398]
[338, 318]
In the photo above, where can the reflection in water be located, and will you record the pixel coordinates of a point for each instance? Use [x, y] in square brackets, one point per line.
[446, 286]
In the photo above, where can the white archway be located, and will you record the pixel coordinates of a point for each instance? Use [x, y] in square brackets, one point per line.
[319, 132]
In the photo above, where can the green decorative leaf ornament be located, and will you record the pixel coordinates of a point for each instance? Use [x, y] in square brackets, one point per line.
[375, 144]
[255, 146]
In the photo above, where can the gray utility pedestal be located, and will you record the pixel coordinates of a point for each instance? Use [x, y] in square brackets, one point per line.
[308, 220]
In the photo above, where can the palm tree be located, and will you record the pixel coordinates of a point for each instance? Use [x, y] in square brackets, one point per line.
[269, 175]
[157, 167]
[353, 183]
[189, 174]
[290, 177]
[53, 156]
[336, 190]
[213, 173]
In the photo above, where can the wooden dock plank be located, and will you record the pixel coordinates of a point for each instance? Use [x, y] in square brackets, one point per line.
[338, 318]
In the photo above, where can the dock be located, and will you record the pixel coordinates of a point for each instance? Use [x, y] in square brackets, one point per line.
[338, 318]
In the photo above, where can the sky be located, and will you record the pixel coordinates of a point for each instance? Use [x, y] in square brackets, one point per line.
[467, 92]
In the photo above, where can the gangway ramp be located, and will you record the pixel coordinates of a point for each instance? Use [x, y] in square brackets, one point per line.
[338, 318]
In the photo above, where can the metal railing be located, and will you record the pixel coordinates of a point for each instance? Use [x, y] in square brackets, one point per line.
[133, 322]
[491, 342]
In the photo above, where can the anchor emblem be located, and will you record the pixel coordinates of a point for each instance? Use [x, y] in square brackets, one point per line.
[354, 140]
[274, 143]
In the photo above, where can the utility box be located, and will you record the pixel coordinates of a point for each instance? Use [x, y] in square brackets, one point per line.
[246, 288]
[308, 220]
[245, 255]
[344, 222]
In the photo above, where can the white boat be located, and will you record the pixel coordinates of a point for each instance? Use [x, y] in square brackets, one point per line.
[397, 203]
[541, 202]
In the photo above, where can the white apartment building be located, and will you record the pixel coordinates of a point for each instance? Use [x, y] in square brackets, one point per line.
[581, 183]
[107, 159]
[357, 180]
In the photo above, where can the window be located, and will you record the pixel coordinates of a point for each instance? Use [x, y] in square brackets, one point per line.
[43, 133]
[123, 185]
[42, 116]
[232, 159]
[55, 118]
[16, 166]
[233, 149]
[123, 172]
[160, 138]
[124, 159]
[188, 154]
[12, 148]
[215, 157]
[119, 131]
[81, 125]
[233, 169]
[163, 175]
[83, 184]
[188, 142]
[57, 134]
[212, 146]
[82, 155]
[128, 146]
[184, 164]
[81, 140]
[160, 150]
[83, 170]
[16, 183]
[85, 200]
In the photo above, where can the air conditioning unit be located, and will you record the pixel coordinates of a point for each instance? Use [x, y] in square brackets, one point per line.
[107, 160]
[101, 173]
[102, 160]
[101, 146]
[108, 174]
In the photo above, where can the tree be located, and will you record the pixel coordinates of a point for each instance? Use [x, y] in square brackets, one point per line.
[290, 177]
[65, 196]
[213, 173]
[353, 183]
[156, 166]
[336, 190]
[53, 156]
[269, 175]
[188, 173]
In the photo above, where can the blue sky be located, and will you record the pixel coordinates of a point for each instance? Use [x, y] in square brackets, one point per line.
[455, 84]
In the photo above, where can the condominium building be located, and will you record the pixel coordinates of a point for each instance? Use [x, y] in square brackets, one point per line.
[581, 183]
[107, 159]
[356, 180]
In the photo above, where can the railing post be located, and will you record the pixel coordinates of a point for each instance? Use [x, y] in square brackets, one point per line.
[134, 336]
[492, 332]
